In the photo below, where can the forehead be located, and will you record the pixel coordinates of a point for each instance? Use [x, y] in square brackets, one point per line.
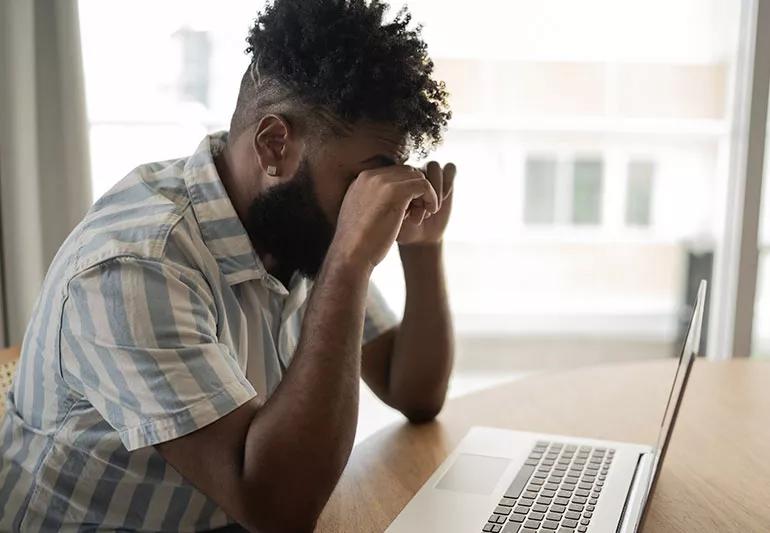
[367, 139]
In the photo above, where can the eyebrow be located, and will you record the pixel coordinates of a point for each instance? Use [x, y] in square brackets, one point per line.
[382, 160]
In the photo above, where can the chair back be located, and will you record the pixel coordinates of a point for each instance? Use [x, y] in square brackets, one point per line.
[9, 357]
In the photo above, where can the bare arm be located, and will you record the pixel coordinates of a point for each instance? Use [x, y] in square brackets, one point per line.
[272, 467]
[299, 441]
[409, 367]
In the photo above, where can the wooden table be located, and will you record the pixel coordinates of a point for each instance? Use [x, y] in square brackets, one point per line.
[716, 476]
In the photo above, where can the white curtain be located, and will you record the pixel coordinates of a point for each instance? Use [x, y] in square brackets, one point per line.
[44, 162]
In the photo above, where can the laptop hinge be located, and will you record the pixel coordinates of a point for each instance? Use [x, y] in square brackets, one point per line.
[632, 507]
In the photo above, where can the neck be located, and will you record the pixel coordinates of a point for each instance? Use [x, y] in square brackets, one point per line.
[237, 178]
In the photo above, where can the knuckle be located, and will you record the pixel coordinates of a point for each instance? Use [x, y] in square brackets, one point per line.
[366, 174]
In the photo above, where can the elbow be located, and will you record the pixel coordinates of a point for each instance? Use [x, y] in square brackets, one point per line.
[265, 516]
[422, 414]
[271, 523]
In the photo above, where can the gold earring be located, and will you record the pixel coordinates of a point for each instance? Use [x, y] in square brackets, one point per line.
[271, 170]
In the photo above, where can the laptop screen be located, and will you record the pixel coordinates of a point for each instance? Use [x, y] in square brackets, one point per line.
[689, 352]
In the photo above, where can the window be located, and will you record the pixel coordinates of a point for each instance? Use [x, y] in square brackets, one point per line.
[639, 193]
[587, 191]
[564, 192]
[551, 106]
[193, 79]
[540, 196]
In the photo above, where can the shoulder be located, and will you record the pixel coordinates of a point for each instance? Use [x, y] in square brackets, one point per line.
[137, 218]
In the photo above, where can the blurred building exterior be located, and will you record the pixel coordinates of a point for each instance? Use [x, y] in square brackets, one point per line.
[592, 141]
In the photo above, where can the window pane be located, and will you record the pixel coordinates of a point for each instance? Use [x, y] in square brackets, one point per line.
[540, 196]
[639, 193]
[544, 291]
[587, 192]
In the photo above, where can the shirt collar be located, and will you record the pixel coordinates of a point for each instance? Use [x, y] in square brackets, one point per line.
[221, 229]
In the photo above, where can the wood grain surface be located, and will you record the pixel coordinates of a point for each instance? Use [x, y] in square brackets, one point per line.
[716, 476]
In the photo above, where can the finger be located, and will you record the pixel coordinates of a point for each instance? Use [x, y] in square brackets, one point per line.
[421, 189]
[434, 175]
[419, 215]
[450, 171]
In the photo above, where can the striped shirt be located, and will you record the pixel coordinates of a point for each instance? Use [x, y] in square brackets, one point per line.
[155, 319]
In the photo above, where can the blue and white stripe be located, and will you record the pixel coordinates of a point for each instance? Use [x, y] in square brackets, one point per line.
[156, 318]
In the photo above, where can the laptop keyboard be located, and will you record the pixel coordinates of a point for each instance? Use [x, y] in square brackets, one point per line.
[555, 491]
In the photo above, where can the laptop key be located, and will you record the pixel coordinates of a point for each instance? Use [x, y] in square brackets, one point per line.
[488, 528]
[532, 524]
[507, 502]
[520, 481]
[550, 524]
[570, 523]
[553, 516]
[517, 517]
[538, 508]
[511, 527]
[505, 511]
[521, 509]
[556, 508]
[566, 530]
[536, 516]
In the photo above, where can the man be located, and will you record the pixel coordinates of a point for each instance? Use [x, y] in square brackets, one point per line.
[193, 362]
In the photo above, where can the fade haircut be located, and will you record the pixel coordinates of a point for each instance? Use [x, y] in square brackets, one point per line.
[327, 64]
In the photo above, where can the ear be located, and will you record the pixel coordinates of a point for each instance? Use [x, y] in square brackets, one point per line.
[271, 144]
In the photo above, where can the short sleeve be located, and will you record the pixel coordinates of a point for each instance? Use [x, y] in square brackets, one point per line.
[139, 341]
[379, 316]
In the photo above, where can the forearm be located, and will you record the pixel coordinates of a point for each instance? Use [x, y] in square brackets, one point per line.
[300, 441]
[423, 349]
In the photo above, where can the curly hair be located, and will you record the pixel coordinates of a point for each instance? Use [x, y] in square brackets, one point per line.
[340, 62]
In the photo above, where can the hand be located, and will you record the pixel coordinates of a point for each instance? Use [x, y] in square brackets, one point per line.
[374, 209]
[421, 226]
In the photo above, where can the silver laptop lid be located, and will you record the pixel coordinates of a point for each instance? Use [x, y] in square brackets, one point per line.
[690, 351]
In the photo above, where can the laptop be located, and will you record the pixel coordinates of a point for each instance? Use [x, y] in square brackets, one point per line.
[504, 481]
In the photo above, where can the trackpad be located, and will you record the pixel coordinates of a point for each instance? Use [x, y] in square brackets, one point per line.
[474, 474]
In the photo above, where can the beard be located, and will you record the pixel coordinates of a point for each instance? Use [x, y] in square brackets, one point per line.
[287, 223]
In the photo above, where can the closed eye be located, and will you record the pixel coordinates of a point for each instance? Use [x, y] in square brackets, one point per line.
[380, 161]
